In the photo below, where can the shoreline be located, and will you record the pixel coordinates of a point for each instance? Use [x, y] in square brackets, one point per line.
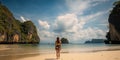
[53, 51]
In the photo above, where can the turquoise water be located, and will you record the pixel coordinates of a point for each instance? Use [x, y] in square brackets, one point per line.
[79, 48]
[22, 49]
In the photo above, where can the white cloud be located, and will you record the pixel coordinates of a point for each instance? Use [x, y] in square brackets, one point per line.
[71, 26]
[92, 17]
[47, 36]
[87, 34]
[65, 22]
[44, 25]
[23, 19]
[79, 6]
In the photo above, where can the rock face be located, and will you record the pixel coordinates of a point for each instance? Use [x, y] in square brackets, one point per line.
[2, 38]
[114, 24]
[15, 38]
[12, 30]
[64, 41]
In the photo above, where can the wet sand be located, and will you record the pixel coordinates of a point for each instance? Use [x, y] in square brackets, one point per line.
[103, 55]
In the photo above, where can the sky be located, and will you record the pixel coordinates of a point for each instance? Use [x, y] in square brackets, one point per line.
[76, 20]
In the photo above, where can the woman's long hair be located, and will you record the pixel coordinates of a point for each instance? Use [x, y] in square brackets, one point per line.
[58, 40]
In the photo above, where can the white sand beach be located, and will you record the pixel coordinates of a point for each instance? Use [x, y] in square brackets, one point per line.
[103, 55]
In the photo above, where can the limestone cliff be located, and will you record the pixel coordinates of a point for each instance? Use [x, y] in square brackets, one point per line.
[114, 24]
[12, 30]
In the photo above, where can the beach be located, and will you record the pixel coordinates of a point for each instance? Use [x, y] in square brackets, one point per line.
[68, 52]
[103, 55]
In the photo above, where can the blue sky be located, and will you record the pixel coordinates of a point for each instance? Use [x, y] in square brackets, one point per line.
[77, 20]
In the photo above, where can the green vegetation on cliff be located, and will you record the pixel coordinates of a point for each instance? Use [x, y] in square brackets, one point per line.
[12, 30]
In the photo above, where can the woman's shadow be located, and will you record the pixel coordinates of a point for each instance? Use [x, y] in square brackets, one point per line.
[50, 59]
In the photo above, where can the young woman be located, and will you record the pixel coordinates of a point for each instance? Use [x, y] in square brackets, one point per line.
[58, 47]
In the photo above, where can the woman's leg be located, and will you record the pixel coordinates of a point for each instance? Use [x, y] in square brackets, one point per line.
[57, 54]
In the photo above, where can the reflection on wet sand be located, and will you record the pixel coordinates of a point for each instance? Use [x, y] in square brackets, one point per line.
[14, 52]
[15, 57]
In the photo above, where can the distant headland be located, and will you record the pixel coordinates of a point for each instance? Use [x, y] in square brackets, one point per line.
[95, 41]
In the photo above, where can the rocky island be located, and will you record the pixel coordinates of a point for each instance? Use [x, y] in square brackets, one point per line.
[64, 41]
[13, 31]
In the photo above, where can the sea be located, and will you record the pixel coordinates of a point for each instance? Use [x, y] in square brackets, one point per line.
[15, 51]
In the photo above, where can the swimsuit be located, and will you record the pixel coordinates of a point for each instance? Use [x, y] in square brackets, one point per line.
[57, 47]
